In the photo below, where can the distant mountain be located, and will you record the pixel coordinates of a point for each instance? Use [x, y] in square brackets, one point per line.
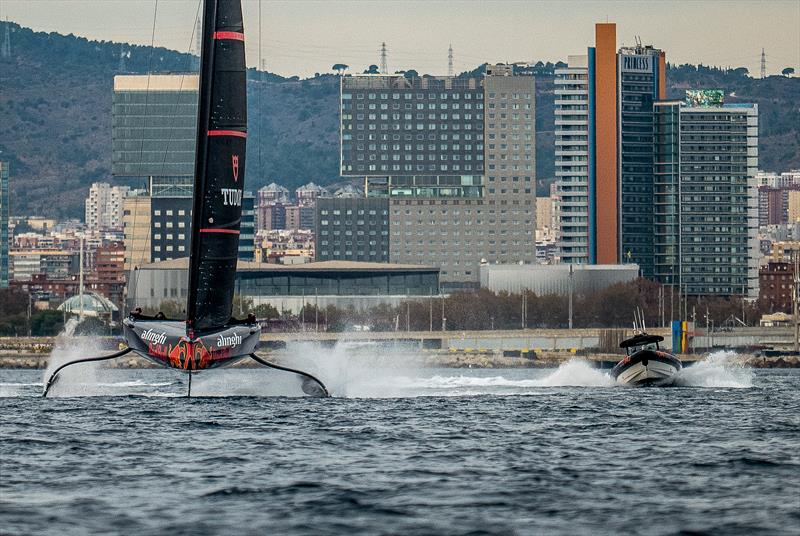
[55, 105]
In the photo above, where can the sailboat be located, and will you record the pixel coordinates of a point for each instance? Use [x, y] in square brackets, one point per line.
[210, 337]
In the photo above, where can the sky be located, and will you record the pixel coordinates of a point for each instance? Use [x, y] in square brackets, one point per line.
[301, 37]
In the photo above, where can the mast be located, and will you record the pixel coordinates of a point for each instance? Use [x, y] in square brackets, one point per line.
[219, 167]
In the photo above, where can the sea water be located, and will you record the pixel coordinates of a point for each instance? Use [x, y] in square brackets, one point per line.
[400, 449]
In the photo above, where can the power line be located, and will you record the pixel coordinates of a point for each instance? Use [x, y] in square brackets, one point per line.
[450, 60]
[384, 63]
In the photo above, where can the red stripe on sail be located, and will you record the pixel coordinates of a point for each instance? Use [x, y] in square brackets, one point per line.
[234, 133]
[220, 231]
[238, 36]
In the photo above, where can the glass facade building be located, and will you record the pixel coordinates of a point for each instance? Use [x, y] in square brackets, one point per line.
[638, 89]
[154, 125]
[706, 198]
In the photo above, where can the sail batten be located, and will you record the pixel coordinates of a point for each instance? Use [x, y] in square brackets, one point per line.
[219, 167]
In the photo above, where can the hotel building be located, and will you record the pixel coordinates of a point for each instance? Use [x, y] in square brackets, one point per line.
[604, 140]
[455, 157]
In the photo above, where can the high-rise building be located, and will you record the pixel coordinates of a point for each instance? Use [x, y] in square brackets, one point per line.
[641, 80]
[308, 193]
[268, 197]
[572, 157]
[456, 159]
[103, 207]
[4, 216]
[604, 151]
[154, 125]
[773, 205]
[706, 197]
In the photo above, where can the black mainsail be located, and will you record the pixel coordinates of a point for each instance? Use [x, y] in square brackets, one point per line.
[219, 167]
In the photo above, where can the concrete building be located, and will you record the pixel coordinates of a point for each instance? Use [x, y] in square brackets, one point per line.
[288, 287]
[455, 158]
[4, 217]
[171, 219]
[773, 205]
[706, 217]
[352, 228]
[53, 264]
[272, 217]
[776, 280]
[793, 208]
[136, 221]
[604, 151]
[108, 277]
[308, 194]
[555, 279]
[572, 158]
[268, 197]
[103, 206]
[299, 217]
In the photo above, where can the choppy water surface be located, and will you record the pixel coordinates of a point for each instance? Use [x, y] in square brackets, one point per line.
[401, 452]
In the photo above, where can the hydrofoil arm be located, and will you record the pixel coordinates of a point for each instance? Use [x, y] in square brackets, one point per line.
[54, 376]
[311, 385]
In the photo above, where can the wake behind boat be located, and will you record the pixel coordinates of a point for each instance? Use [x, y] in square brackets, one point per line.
[645, 363]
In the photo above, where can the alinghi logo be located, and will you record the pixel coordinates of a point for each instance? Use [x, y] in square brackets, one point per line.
[152, 336]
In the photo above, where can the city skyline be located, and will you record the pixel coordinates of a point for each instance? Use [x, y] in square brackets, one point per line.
[292, 43]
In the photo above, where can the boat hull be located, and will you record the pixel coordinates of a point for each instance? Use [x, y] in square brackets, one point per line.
[647, 367]
[165, 342]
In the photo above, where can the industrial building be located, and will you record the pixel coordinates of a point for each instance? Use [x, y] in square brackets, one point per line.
[360, 285]
[555, 279]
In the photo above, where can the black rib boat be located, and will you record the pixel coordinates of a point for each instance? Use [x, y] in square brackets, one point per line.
[645, 363]
[210, 337]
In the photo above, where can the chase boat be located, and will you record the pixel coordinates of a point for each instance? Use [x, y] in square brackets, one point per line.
[645, 363]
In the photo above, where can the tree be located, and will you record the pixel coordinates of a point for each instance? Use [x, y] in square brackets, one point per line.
[372, 69]
[789, 71]
[47, 323]
[411, 73]
[340, 68]
[266, 311]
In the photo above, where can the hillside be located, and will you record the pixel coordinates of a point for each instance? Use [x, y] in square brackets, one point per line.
[55, 104]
